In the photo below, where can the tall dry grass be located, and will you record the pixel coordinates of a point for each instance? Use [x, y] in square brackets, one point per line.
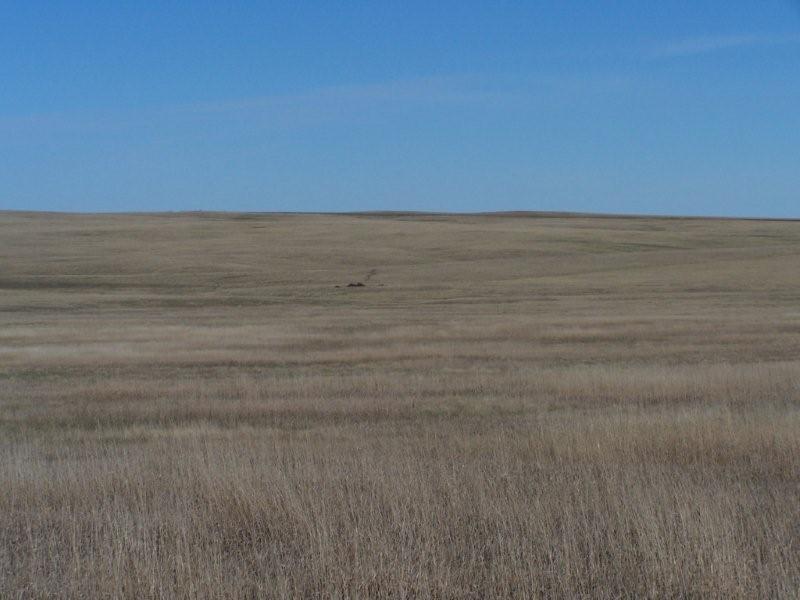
[599, 408]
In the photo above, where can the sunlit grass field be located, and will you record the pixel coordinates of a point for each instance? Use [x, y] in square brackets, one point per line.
[527, 406]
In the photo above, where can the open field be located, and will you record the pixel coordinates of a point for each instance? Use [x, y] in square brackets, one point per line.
[512, 406]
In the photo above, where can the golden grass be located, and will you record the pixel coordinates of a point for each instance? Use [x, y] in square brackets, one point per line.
[513, 406]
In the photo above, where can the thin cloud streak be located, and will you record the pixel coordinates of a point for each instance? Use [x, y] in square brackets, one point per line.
[423, 90]
[313, 104]
[718, 43]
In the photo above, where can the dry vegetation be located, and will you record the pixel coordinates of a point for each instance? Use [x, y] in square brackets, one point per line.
[513, 406]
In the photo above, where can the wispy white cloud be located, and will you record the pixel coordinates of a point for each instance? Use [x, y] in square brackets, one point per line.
[321, 105]
[718, 43]
[423, 90]
[284, 109]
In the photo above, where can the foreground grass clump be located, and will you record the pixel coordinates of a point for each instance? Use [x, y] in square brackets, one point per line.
[510, 407]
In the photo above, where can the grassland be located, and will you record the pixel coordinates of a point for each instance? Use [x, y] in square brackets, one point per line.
[197, 406]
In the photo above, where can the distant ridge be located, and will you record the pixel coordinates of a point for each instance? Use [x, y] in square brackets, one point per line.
[519, 214]
[531, 214]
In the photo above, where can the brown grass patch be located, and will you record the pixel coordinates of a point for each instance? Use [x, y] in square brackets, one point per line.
[511, 407]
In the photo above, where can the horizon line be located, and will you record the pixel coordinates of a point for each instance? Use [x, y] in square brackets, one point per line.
[403, 213]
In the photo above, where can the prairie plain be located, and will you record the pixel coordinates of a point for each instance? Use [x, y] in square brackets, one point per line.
[196, 405]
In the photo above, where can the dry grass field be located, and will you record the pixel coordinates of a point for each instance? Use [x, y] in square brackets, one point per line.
[527, 406]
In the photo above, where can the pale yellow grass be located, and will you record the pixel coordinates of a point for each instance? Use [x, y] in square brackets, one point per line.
[514, 406]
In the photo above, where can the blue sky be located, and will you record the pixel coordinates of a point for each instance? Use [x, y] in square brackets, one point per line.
[675, 107]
